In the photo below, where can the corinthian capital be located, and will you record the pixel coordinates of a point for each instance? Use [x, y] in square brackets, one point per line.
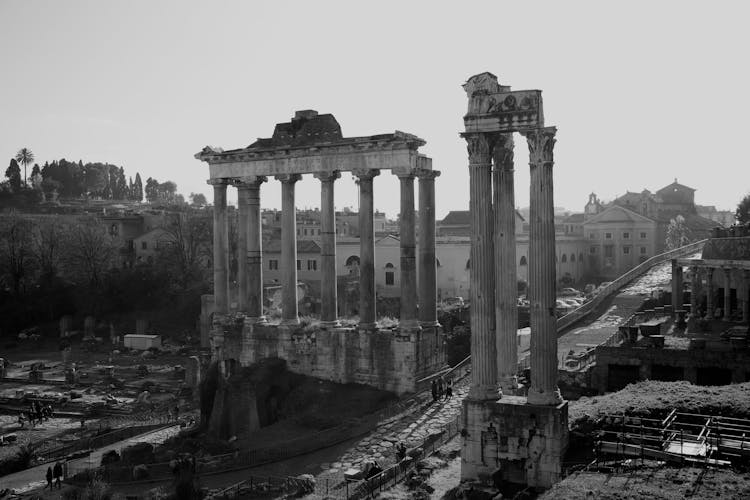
[288, 178]
[251, 181]
[479, 145]
[541, 144]
[427, 174]
[502, 153]
[365, 174]
[327, 176]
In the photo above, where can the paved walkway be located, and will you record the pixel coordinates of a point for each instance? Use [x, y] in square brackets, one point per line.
[34, 477]
[379, 445]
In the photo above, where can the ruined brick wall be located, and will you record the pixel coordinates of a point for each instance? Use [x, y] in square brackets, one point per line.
[382, 359]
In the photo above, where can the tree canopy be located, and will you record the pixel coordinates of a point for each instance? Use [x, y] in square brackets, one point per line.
[743, 210]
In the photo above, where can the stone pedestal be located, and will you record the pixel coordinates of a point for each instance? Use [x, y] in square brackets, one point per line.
[522, 442]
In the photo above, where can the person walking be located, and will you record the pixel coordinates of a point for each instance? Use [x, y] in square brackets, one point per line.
[440, 387]
[434, 389]
[49, 478]
[448, 389]
[57, 472]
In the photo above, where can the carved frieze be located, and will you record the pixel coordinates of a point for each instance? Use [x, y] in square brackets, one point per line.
[505, 111]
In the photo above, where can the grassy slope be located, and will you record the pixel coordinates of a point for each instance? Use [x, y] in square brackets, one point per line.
[657, 398]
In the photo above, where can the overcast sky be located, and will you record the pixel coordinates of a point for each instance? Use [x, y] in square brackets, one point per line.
[641, 92]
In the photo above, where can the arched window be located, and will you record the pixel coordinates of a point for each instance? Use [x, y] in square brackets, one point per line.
[352, 264]
[564, 258]
[572, 257]
[523, 260]
[389, 275]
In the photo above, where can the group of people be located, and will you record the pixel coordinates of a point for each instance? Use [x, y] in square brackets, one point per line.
[37, 413]
[441, 389]
[57, 473]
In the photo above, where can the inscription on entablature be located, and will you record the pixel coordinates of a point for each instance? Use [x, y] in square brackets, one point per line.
[510, 111]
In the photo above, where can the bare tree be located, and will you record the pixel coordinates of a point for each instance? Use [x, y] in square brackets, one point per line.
[188, 243]
[16, 255]
[89, 253]
[678, 233]
[47, 246]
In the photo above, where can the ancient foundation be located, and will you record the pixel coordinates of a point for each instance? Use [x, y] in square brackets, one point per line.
[385, 359]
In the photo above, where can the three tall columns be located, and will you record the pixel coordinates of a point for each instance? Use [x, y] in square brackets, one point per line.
[493, 267]
[366, 248]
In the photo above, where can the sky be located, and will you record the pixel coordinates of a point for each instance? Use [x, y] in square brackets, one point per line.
[641, 92]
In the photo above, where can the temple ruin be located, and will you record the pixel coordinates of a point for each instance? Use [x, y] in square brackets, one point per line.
[509, 436]
[312, 143]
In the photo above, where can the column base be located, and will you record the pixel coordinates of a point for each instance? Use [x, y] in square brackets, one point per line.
[429, 324]
[290, 322]
[330, 324]
[484, 393]
[369, 327]
[509, 385]
[255, 320]
[539, 398]
[409, 325]
[520, 442]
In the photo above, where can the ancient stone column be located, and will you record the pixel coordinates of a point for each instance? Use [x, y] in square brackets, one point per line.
[677, 296]
[746, 288]
[407, 238]
[727, 294]
[506, 280]
[252, 276]
[427, 275]
[328, 296]
[695, 285]
[710, 292]
[288, 250]
[543, 390]
[481, 268]
[221, 246]
[366, 248]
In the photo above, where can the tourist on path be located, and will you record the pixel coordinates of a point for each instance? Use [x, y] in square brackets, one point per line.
[49, 478]
[434, 390]
[58, 474]
[449, 389]
[440, 387]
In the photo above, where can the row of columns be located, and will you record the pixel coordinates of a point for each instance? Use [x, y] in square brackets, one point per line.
[696, 272]
[493, 270]
[418, 297]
